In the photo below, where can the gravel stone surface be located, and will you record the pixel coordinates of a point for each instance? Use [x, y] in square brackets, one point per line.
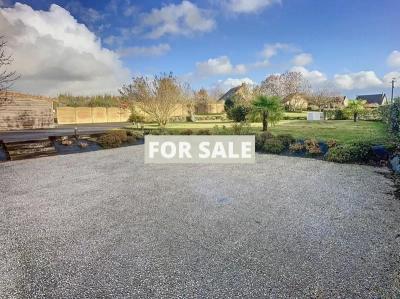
[104, 225]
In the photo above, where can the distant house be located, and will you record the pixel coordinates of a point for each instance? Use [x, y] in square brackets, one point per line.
[338, 102]
[374, 100]
[241, 92]
[229, 94]
[296, 102]
[301, 101]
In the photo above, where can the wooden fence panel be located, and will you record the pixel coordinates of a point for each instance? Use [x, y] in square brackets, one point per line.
[66, 115]
[125, 114]
[80, 115]
[84, 115]
[99, 114]
[113, 115]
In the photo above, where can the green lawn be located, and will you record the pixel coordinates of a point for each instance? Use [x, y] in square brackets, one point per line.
[344, 131]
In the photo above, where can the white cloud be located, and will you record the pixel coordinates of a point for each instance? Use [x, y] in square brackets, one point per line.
[219, 66]
[387, 79]
[394, 59]
[360, 80]
[271, 50]
[249, 6]
[302, 59]
[53, 53]
[157, 50]
[176, 19]
[227, 84]
[314, 77]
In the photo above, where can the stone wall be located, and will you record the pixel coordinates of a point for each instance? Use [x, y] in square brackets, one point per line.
[210, 108]
[21, 111]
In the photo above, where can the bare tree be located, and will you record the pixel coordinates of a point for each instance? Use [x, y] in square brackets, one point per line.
[285, 84]
[7, 77]
[244, 95]
[159, 97]
[188, 100]
[324, 97]
[202, 97]
[215, 93]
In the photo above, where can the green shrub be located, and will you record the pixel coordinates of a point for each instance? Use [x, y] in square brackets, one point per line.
[136, 134]
[122, 134]
[159, 132]
[340, 115]
[392, 146]
[287, 139]
[261, 138]
[358, 152]
[390, 114]
[210, 117]
[241, 129]
[340, 154]
[136, 117]
[331, 143]
[221, 130]
[362, 151]
[238, 113]
[273, 146]
[186, 132]
[89, 101]
[229, 104]
[286, 117]
[113, 138]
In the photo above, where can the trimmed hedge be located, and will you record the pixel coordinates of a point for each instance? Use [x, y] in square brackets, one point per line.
[273, 146]
[358, 152]
[268, 143]
[113, 138]
[287, 139]
[261, 138]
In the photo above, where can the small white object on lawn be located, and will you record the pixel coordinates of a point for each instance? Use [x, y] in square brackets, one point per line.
[312, 116]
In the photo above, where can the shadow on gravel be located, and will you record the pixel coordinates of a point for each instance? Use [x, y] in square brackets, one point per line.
[88, 146]
[3, 154]
[395, 178]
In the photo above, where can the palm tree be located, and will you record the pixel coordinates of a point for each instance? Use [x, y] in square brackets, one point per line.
[355, 108]
[270, 108]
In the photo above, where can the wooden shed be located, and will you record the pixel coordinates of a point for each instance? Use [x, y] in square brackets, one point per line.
[22, 111]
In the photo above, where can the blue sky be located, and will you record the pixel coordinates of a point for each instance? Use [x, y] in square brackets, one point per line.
[351, 45]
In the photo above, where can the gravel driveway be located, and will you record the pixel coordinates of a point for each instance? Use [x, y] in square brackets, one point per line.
[104, 225]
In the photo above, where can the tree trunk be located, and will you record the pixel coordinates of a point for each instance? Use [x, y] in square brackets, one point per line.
[265, 121]
[355, 117]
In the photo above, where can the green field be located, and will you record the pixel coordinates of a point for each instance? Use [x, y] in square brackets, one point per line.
[344, 131]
